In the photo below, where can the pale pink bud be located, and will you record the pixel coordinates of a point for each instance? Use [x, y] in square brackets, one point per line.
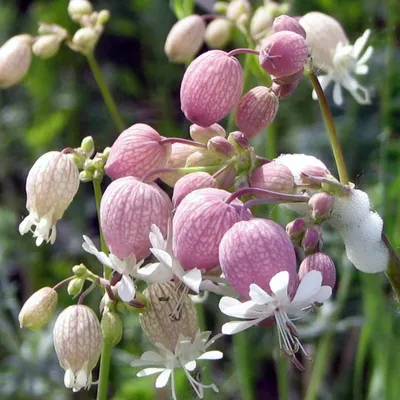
[211, 87]
[38, 309]
[189, 183]
[218, 33]
[238, 139]
[200, 221]
[256, 110]
[78, 342]
[284, 91]
[253, 252]
[319, 262]
[313, 171]
[203, 135]
[51, 185]
[262, 19]
[295, 229]
[221, 147]
[274, 177]
[137, 151]
[286, 23]
[128, 209]
[226, 178]
[172, 316]
[285, 80]
[185, 38]
[321, 205]
[312, 240]
[202, 158]
[283, 53]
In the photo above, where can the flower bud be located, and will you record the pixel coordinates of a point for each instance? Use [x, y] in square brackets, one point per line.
[226, 178]
[172, 315]
[295, 230]
[238, 139]
[218, 33]
[283, 53]
[322, 263]
[321, 205]
[284, 91]
[286, 23]
[38, 309]
[79, 270]
[137, 151]
[262, 20]
[78, 8]
[221, 147]
[86, 176]
[190, 183]
[103, 17]
[200, 221]
[312, 240]
[46, 46]
[220, 7]
[128, 209]
[211, 87]
[75, 286]
[87, 145]
[274, 177]
[256, 110]
[15, 60]
[78, 342]
[185, 39]
[85, 40]
[50, 187]
[238, 10]
[253, 252]
[203, 135]
[285, 80]
[112, 328]
[202, 158]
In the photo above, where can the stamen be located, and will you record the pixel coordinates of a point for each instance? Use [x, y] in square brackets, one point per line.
[176, 312]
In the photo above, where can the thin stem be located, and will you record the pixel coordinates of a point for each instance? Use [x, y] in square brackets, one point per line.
[243, 51]
[243, 363]
[107, 97]
[63, 282]
[154, 174]
[330, 126]
[283, 377]
[87, 291]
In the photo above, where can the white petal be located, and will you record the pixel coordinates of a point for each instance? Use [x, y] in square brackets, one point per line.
[191, 365]
[89, 247]
[279, 284]
[366, 56]
[323, 294]
[149, 371]
[126, 288]
[324, 81]
[211, 355]
[309, 286]
[361, 69]
[163, 378]
[69, 379]
[235, 308]
[156, 237]
[258, 295]
[162, 256]
[155, 273]
[230, 328]
[151, 356]
[81, 379]
[337, 94]
[192, 279]
[360, 43]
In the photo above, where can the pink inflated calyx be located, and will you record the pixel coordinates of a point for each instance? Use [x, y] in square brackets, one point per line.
[255, 251]
[274, 177]
[190, 183]
[286, 23]
[128, 209]
[199, 223]
[256, 110]
[286, 90]
[319, 262]
[283, 53]
[137, 151]
[211, 87]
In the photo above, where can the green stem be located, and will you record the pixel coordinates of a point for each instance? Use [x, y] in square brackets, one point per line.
[243, 365]
[283, 377]
[107, 97]
[330, 126]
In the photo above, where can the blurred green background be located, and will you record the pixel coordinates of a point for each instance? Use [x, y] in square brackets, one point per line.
[354, 340]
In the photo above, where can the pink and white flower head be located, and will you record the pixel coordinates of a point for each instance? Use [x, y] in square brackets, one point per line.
[274, 177]
[256, 110]
[283, 53]
[258, 253]
[51, 185]
[361, 230]
[137, 151]
[128, 209]
[200, 221]
[334, 55]
[211, 87]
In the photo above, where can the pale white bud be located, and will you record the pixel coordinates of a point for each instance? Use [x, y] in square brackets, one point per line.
[15, 60]
[238, 10]
[78, 8]
[46, 46]
[78, 342]
[261, 21]
[218, 33]
[85, 40]
[50, 187]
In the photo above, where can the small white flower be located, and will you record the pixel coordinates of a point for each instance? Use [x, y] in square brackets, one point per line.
[347, 61]
[186, 354]
[279, 305]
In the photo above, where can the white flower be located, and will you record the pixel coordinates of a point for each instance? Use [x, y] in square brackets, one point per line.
[347, 61]
[127, 268]
[279, 305]
[186, 354]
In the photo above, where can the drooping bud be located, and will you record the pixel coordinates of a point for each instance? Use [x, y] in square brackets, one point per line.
[185, 38]
[78, 8]
[75, 286]
[221, 147]
[321, 205]
[253, 252]
[238, 139]
[128, 209]
[283, 53]
[312, 240]
[15, 60]
[190, 183]
[38, 309]
[112, 328]
[137, 151]
[200, 221]
[78, 342]
[171, 316]
[238, 11]
[319, 262]
[211, 87]
[256, 110]
[46, 46]
[274, 177]
[51, 185]
[295, 230]
[284, 91]
[218, 33]
[85, 39]
[203, 135]
[286, 23]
